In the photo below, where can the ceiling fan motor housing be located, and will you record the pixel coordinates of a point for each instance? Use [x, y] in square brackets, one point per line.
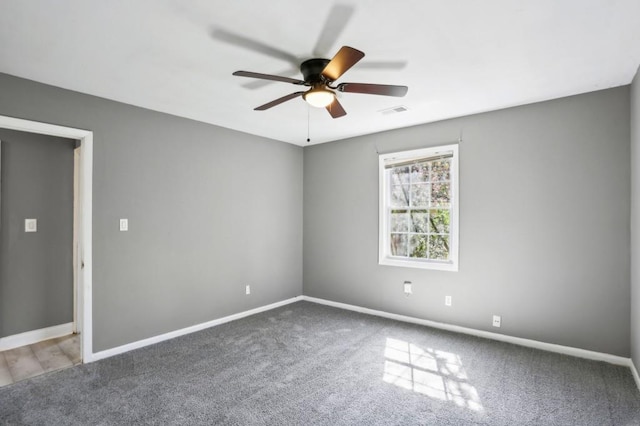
[311, 70]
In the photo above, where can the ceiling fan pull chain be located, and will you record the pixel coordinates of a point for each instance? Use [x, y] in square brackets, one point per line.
[308, 139]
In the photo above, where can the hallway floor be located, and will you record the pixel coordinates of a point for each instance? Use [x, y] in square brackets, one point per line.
[42, 357]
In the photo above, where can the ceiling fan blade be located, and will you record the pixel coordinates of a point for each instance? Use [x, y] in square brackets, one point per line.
[373, 89]
[335, 109]
[278, 101]
[344, 59]
[256, 46]
[257, 84]
[336, 21]
[268, 77]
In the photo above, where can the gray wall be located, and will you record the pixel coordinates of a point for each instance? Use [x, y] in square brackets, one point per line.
[36, 269]
[209, 211]
[544, 237]
[635, 219]
[544, 223]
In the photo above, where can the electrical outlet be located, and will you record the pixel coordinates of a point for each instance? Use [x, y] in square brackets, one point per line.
[497, 320]
[447, 300]
[124, 225]
[31, 225]
[247, 289]
[407, 288]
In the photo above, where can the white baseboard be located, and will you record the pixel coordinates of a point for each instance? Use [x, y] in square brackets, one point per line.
[550, 347]
[634, 371]
[35, 336]
[188, 330]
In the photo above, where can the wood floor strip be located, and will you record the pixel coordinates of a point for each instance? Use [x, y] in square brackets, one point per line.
[42, 357]
[5, 374]
[50, 355]
[23, 363]
[70, 345]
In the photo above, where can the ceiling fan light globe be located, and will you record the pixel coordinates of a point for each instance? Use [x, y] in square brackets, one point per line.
[319, 98]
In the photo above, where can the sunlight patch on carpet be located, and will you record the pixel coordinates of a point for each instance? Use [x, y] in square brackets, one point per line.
[434, 373]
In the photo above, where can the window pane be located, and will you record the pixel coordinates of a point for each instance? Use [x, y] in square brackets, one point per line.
[439, 221]
[399, 175]
[418, 246]
[439, 247]
[420, 195]
[440, 195]
[440, 170]
[400, 195]
[399, 221]
[418, 208]
[399, 245]
[420, 172]
[420, 221]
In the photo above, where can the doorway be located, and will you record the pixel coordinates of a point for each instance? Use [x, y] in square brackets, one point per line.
[83, 221]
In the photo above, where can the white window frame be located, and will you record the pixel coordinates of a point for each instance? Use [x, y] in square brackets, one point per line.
[385, 257]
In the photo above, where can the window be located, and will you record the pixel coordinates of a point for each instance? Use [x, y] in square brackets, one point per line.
[419, 208]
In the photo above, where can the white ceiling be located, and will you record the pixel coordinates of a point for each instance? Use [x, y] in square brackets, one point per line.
[457, 57]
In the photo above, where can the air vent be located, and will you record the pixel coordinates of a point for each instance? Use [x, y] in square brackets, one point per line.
[394, 110]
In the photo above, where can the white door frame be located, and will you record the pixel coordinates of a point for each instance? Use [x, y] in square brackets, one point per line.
[77, 264]
[85, 214]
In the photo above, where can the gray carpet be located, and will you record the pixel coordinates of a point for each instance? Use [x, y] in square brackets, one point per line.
[307, 364]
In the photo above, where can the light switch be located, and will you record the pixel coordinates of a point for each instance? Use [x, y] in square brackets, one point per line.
[31, 225]
[124, 224]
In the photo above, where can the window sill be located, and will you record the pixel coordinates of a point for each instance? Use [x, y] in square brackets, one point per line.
[420, 264]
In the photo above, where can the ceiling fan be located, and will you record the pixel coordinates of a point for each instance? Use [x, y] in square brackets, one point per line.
[319, 74]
